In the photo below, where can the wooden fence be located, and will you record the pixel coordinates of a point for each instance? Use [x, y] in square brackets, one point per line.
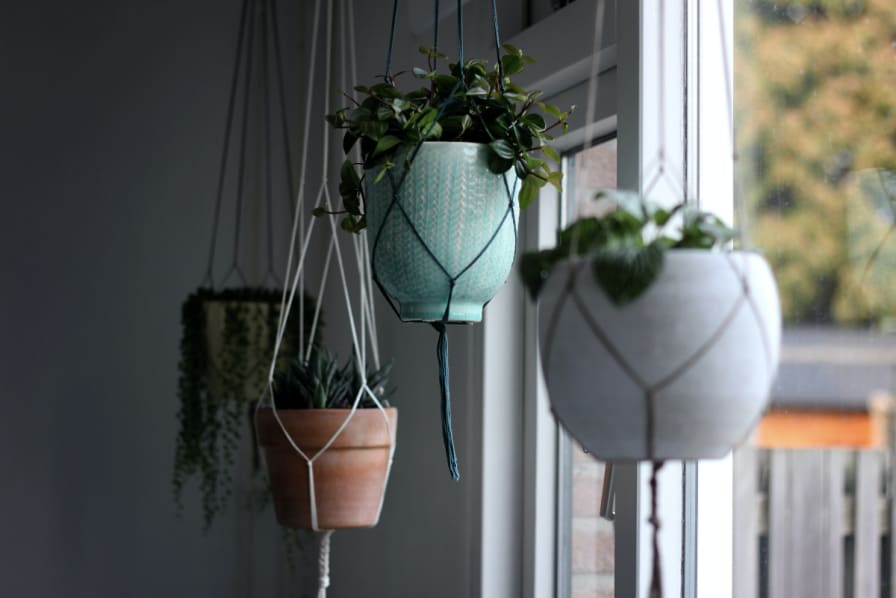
[813, 523]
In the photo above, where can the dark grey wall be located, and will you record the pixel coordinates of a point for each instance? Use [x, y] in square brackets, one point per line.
[111, 117]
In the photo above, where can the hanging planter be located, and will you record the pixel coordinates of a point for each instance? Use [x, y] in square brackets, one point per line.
[349, 479]
[450, 210]
[446, 168]
[654, 347]
[227, 342]
[229, 323]
[337, 477]
[239, 327]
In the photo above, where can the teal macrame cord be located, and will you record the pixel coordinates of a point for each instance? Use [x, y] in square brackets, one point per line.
[441, 325]
[447, 432]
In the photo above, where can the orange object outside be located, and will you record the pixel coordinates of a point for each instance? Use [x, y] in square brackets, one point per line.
[806, 429]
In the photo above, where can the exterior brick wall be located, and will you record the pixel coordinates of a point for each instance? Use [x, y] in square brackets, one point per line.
[592, 536]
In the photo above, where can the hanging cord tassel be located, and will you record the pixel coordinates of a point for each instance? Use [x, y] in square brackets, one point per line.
[323, 563]
[656, 577]
[447, 433]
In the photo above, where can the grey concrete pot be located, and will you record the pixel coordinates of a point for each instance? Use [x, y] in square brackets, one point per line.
[682, 372]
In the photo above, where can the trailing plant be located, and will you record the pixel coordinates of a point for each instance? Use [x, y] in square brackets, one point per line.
[223, 370]
[472, 102]
[627, 244]
[320, 383]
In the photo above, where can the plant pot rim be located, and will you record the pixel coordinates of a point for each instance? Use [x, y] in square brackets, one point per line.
[326, 410]
[313, 428]
[473, 143]
[678, 251]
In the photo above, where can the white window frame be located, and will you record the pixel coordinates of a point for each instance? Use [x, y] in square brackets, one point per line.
[520, 486]
[696, 499]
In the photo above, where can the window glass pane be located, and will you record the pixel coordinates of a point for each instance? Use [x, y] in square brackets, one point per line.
[815, 115]
[586, 553]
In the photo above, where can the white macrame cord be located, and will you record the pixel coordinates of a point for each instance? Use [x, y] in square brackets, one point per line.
[300, 240]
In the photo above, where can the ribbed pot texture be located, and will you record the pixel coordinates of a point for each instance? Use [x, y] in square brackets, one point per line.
[699, 349]
[459, 209]
[349, 477]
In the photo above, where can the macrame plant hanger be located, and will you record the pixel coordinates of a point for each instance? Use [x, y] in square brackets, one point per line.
[656, 171]
[363, 329]
[395, 209]
[267, 31]
[246, 185]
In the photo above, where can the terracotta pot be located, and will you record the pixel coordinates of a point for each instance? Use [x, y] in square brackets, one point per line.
[349, 477]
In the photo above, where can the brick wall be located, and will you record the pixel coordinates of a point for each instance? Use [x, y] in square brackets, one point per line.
[592, 536]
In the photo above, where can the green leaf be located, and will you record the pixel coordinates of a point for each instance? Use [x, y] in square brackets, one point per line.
[385, 143]
[348, 224]
[512, 50]
[350, 187]
[529, 191]
[535, 268]
[550, 152]
[551, 109]
[499, 165]
[534, 121]
[348, 142]
[556, 179]
[373, 129]
[502, 148]
[317, 212]
[385, 90]
[624, 272]
[433, 131]
[512, 64]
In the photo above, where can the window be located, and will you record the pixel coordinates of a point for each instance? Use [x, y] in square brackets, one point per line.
[585, 546]
[815, 111]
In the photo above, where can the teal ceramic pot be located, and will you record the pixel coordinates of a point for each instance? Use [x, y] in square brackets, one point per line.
[456, 205]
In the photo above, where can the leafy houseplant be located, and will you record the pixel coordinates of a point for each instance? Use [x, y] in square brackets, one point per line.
[682, 336]
[440, 171]
[469, 103]
[227, 340]
[351, 451]
[627, 244]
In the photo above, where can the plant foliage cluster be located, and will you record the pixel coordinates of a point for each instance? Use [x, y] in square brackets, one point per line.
[320, 383]
[472, 102]
[219, 382]
[627, 244]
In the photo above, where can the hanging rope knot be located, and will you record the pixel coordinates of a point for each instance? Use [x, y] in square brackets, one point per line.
[323, 563]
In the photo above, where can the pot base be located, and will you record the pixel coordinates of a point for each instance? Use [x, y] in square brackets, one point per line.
[460, 312]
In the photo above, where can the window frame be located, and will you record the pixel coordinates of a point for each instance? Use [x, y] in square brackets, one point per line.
[512, 508]
[697, 553]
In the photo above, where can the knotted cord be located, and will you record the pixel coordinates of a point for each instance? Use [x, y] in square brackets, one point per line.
[395, 207]
[300, 241]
